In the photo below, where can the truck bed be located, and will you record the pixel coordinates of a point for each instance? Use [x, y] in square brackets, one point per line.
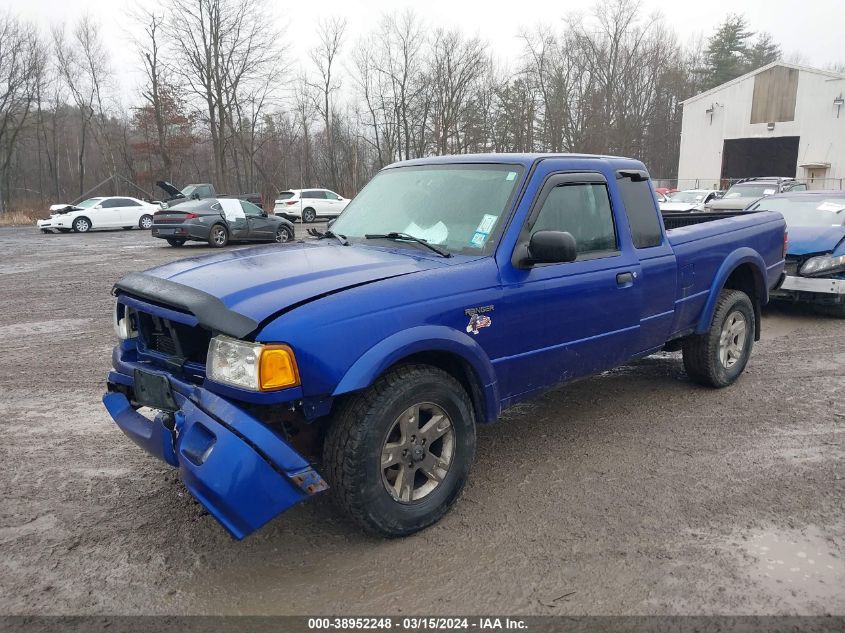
[677, 219]
[704, 245]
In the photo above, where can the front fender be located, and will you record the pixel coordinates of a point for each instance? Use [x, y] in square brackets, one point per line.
[424, 338]
[738, 257]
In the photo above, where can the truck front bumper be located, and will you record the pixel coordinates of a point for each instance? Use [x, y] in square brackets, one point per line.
[819, 290]
[243, 472]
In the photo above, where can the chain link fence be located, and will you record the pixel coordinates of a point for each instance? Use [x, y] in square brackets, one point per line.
[814, 184]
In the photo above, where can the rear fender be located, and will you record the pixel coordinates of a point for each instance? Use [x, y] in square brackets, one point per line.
[425, 338]
[737, 258]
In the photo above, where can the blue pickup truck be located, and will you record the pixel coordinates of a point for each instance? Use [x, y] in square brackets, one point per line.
[449, 289]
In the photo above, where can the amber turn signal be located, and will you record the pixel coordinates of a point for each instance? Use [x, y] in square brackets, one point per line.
[277, 368]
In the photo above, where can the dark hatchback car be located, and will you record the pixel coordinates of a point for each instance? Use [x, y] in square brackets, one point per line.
[207, 221]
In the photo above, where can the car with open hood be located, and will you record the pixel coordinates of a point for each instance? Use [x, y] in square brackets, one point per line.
[110, 212]
[201, 191]
[815, 254]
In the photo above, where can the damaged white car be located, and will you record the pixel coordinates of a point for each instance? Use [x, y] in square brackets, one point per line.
[110, 212]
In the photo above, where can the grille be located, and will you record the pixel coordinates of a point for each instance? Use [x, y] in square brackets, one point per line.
[172, 339]
[791, 266]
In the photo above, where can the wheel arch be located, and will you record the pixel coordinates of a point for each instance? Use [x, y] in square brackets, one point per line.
[744, 270]
[438, 346]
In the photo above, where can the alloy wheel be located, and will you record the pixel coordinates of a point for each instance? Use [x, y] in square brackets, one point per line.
[732, 339]
[417, 452]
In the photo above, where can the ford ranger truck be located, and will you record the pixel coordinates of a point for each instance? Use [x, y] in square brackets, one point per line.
[450, 289]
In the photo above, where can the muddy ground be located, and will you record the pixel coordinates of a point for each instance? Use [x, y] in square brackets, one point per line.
[634, 492]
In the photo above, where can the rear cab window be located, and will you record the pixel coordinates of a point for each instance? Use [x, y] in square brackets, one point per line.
[640, 209]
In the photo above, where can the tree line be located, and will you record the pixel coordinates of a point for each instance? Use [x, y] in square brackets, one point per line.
[220, 100]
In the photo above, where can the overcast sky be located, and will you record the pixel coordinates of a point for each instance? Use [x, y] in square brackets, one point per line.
[813, 29]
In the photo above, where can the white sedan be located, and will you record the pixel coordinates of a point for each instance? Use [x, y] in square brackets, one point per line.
[113, 212]
[309, 204]
[689, 200]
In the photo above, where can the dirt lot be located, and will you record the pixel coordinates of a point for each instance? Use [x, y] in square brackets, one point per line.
[635, 492]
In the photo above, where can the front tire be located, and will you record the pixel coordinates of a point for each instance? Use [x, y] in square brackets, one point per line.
[397, 454]
[309, 215]
[146, 222]
[718, 357]
[218, 236]
[82, 225]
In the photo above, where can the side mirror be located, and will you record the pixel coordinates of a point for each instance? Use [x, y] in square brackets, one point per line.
[195, 196]
[263, 214]
[551, 247]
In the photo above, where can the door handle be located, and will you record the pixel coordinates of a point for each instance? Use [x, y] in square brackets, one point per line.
[624, 279]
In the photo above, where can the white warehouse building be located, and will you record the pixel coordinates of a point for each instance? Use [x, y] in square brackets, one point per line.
[779, 120]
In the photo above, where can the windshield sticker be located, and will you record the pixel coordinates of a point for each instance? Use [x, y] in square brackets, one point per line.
[511, 175]
[478, 321]
[831, 206]
[478, 239]
[487, 223]
[768, 192]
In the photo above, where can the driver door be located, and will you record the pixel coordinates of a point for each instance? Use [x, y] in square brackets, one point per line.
[578, 317]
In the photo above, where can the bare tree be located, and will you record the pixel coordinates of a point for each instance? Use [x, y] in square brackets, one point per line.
[21, 61]
[324, 56]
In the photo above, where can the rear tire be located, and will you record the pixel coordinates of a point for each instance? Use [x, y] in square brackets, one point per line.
[284, 234]
[397, 454]
[176, 243]
[309, 215]
[218, 236]
[718, 357]
[146, 222]
[82, 225]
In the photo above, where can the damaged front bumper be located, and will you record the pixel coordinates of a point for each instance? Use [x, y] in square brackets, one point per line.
[820, 290]
[243, 472]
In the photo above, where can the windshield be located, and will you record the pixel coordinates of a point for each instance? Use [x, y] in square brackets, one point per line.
[813, 211]
[86, 204]
[457, 207]
[687, 196]
[751, 191]
[189, 190]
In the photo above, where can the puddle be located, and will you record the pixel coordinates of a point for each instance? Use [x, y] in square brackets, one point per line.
[799, 564]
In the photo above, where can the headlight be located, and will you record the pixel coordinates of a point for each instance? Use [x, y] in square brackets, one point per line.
[252, 366]
[823, 264]
[124, 322]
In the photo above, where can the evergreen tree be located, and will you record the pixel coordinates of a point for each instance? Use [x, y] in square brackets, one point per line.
[727, 51]
[764, 51]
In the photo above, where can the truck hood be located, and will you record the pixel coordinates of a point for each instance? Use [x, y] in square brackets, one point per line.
[258, 283]
[731, 204]
[804, 240]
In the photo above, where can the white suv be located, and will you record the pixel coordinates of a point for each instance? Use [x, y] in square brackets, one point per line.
[309, 204]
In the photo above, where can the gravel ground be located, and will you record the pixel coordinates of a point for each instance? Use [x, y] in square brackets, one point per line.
[634, 492]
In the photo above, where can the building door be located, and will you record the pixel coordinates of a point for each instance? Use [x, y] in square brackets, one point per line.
[760, 157]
